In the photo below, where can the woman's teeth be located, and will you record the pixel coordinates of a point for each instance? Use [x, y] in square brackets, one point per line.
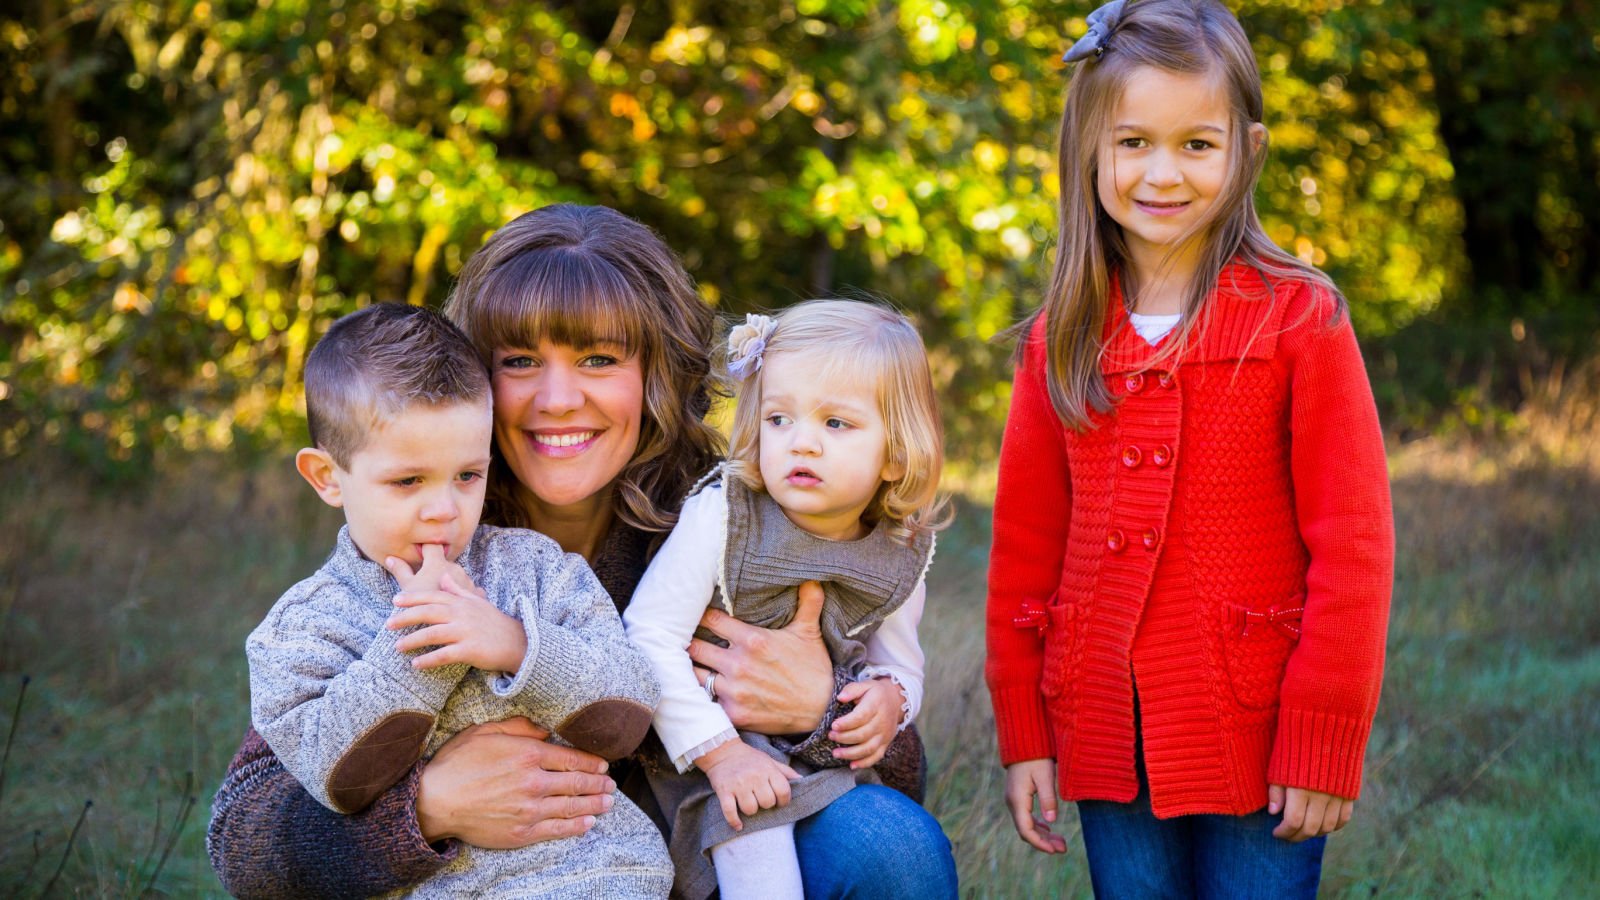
[564, 440]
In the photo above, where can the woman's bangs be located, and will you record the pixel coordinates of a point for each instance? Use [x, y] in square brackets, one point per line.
[567, 298]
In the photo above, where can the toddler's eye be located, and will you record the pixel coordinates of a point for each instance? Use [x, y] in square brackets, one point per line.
[778, 419]
[836, 422]
[408, 481]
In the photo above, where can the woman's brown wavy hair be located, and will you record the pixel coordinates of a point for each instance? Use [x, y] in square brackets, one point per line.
[580, 275]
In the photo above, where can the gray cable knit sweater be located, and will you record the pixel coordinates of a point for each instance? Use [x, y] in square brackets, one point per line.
[348, 716]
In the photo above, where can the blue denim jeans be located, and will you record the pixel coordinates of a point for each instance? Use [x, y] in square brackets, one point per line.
[1134, 854]
[875, 842]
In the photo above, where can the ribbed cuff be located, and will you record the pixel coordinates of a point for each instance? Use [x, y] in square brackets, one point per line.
[1319, 751]
[1022, 724]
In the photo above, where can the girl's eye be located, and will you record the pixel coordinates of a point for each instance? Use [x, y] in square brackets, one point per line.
[598, 361]
[778, 419]
[469, 477]
[1132, 143]
[1197, 144]
[517, 361]
[836, 422]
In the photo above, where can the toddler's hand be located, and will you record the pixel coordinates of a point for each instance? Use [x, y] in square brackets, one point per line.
[465, 627]
[1024, 780]
[1306, 813]
[430, 575]
[867, 730]
[746, 780]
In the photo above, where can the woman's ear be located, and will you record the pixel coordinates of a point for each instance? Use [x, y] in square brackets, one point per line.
[321, 472]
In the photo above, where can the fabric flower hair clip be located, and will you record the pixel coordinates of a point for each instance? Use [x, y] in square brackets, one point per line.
[747, 343]
[1101, 23]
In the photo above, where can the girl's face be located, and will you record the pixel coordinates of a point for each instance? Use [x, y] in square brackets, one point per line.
[567, 419]
[1165, 161]
[824, 446]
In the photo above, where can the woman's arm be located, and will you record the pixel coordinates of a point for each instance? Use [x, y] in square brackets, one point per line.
[496, 785]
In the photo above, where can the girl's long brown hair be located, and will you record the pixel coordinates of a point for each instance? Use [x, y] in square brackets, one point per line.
[1181, 36]
[579, 275]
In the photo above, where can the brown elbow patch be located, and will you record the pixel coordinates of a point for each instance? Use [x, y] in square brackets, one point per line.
[610, 728]
[378, 760]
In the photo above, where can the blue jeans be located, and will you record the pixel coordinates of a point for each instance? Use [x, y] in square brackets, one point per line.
[1134, 854]
[875, 842]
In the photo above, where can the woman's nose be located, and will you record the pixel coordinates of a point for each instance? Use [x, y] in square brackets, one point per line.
[559, 392]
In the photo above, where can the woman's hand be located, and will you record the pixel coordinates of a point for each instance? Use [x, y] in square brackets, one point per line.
[745, 779]
[867, 730]
[1306, 813]
[770, 680]
[500, 786]
[1024, 781]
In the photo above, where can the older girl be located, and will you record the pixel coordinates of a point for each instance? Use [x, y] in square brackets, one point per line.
[1193, 544]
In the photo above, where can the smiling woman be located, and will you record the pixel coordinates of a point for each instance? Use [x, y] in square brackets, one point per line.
[600, 355]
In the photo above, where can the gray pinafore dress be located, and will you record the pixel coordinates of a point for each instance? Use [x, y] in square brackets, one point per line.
[765, 559]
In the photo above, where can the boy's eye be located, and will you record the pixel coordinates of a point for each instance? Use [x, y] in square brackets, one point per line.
[408, 481]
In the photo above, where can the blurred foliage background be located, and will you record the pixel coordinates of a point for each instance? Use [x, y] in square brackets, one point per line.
[190, 191]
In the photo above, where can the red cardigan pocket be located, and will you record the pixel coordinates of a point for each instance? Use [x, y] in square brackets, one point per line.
[1257, 641]
[1057, 641]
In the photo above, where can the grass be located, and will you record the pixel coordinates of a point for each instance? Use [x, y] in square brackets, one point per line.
[129, 613]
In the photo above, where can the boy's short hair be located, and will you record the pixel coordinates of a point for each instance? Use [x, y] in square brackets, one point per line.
[375, 363]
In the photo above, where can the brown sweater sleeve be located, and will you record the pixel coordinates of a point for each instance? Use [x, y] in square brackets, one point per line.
[268, 837]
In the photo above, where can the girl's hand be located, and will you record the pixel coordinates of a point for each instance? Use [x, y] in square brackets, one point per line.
[500, 786]
[1024, 780]
[867, 729]
[464, 627]
[770, 680]
[1306, 813]
[746, 780]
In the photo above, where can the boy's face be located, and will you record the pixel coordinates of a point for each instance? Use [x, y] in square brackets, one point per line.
[418, 480]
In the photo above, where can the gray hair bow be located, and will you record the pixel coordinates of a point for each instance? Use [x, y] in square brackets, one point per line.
[1101, 21]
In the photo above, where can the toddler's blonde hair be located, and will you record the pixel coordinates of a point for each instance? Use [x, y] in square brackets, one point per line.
[863, 342]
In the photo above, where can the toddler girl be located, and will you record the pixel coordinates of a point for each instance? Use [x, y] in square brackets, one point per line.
[1193, 542]
[833, 471]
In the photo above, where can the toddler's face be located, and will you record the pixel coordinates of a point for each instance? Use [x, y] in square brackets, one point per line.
[824, 446]
[419, 480]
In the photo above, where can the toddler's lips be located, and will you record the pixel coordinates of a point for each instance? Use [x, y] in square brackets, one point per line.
[803, 478]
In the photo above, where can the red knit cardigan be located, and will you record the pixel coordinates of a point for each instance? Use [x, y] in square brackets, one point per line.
[1223, 538]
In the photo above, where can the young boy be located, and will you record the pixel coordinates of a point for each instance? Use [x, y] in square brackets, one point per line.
[400, 416]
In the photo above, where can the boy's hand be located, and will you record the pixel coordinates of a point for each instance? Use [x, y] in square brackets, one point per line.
[867, 729]
[746, 780]
[1024, 780]
[465, 627]
[1306, 813]
[430, 574]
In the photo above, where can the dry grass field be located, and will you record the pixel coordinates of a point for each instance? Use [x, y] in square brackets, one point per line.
[127, 612]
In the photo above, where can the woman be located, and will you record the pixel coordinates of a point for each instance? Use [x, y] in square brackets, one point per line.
[599, 350]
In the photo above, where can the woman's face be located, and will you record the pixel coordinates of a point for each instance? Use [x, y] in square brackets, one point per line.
[567, 419]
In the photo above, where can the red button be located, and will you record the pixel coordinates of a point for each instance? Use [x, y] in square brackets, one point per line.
[1134, 382]
[1116, 541]
[1168, 380]
[1151, 538]
[1161, 456]
[1131, 457]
